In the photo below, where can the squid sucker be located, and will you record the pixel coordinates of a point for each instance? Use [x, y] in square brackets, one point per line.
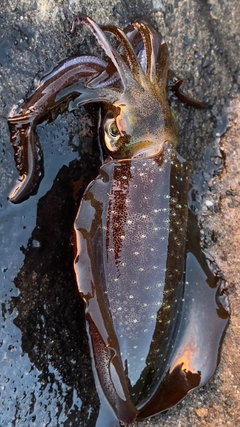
[155, 304]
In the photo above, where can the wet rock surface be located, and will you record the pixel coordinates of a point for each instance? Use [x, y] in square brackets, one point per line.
[46, 376]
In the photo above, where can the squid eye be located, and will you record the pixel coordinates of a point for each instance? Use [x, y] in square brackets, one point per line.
[113, 129]
[111, 133]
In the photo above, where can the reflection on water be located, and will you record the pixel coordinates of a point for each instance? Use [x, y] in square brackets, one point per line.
[45, 365]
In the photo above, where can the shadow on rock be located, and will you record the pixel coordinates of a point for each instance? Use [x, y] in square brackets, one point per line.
[50, 311]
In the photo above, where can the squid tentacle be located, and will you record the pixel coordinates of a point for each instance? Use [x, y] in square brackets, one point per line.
[55, 93]
[136, 41]
[103, 42]
[88, 95]
[28, 158]
[74, 61]
[128, 49]
[175, 84]
[152, 45]
[150, 63]
[107, 78]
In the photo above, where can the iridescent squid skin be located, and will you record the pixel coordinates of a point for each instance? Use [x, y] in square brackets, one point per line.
[155, 305]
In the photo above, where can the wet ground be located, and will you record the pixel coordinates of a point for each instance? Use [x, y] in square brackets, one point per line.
[45, 375]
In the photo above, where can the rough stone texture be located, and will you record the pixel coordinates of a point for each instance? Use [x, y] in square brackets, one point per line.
[44, 355]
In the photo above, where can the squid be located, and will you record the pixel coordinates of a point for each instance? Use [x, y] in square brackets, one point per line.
[155, 303]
